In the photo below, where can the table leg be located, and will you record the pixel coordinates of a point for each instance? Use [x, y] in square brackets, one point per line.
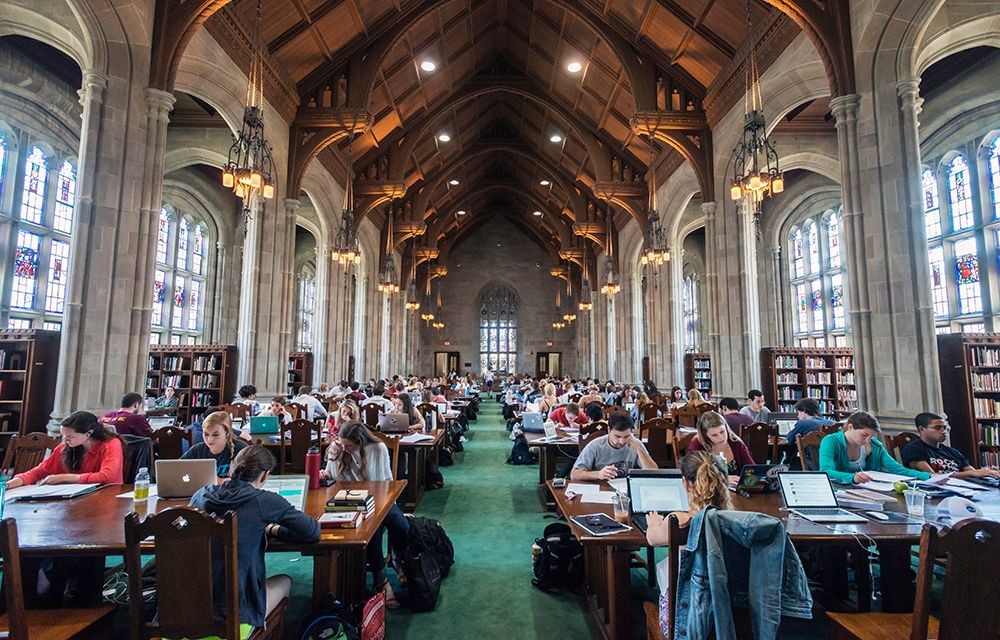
[896, 577]
[416, 458]
[618, 614]
[340, 572]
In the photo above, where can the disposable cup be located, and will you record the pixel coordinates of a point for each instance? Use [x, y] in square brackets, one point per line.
[915, 502]
[621, 504]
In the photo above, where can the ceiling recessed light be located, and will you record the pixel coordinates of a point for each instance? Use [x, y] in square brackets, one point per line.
[453, 182]
[427, 65]
[544, 183]
[444, 137]
[574, 67]
[555, 137]
[461, 212]
[537, 213]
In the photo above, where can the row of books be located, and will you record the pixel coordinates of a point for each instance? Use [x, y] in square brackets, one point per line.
[789, 393]
[207, 363]
[174, 381]
[990, 459]
[986, 407]
[788, 378]
[985, 356]
[986, 381]
[205, 380]
[348, 509]
[204, 399]
[847, 395]
[702, 364]
[818, 378]
[989, 434]
[167, 363]
[818, 392]
[845, 362]
[786, 362]
[702, 375]
[812, 362]
[845, 378]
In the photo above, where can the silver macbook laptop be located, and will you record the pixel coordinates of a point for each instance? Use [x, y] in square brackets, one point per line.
[393, 423]
[809, 495]
[660, 490]
[158, 422]
[532, 422]
[181, 478]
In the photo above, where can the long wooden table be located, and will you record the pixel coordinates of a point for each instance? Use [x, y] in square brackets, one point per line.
[606, 558]
[416, 461]
[93, 525]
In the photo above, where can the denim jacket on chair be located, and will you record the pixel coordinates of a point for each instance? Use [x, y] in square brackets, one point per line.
[733, 558]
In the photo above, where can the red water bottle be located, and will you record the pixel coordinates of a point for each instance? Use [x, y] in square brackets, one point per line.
[312, 467]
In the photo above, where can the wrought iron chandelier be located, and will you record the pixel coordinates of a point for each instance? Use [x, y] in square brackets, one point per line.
[388, 281]
[249, 168]
[345, 245]
[611, 283]
[439, 323]
[756, 170]
[428, 313]
[559, 322]
[585, 304]
[412, 300]
[570, 315]
[654, 251]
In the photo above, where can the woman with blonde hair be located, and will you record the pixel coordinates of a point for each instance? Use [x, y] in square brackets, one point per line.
[218, 443]
[715, 437]
[348, 412]
[548, 399]
[695, 399]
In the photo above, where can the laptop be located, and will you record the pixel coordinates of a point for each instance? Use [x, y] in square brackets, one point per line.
[809, 495]
[532, 422]
[160, 422]
[393, 423]
[264, 425]
[238, 425]
[442, 407]
[659, 490]
[784, 426]
[181, 478]
[759, 478]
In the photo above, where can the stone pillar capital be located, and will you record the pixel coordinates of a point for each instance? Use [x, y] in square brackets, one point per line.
[776, 251]
[92, 90]
[158, 104]
[909, 96]
[292, 206]
[845, 107]
[709, 208]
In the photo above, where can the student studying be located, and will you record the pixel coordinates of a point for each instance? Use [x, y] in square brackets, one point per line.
[219, 442]
[611, 456]
[846, 455]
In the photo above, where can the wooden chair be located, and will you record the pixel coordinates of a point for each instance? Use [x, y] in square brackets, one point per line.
[184, 590]
[39, 624]
[660, 434]
[297, 411]
[575, 397]
[686, 416]
[831, 428]
[241, 411]
[972, 550]
[296, 438]
[427, 409]
[896, 443]
[168, 442]
[809, 444]
[592, 430]
[762, 441]
[678, 538]
[27, 451]
[613, 408]
[392, 444]
[680, 444]
[370, 412]
[648, 411]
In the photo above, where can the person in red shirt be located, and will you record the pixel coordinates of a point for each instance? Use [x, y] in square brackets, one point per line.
[88, 453]
[562, 416]
[127, 420]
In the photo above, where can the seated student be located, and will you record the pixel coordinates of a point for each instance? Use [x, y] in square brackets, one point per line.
[846, 455]
[404, 404]
[548, 399]
[248, 396]
[930, 453]
[593, 395]
[356, 395]
[348, 412]
[127, 420]
[695, 398]
[730, 410]
[89, 452]
[219, 443]
[594, 412]
[612, 455]
[808, 419]
[314, 408]
[276, 407]
[638, 400]
[356, 456]
[568, 415]
[755, 408]
[260, 515]
[378, 397]
[706, 485]
[168, 400]
[677, 398]
[715, 436]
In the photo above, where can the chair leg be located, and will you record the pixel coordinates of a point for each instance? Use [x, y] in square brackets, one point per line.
[650, 566]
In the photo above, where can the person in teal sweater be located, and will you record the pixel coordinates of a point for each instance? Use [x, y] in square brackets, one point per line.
[846, 456]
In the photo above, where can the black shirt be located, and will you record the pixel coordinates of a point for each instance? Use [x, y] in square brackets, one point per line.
[201, 451]
[942, 459]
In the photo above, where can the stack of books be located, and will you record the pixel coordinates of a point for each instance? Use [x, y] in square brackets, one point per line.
[341, 520]
[351, 500]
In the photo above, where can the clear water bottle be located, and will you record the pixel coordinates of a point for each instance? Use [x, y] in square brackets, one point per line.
[141, 492]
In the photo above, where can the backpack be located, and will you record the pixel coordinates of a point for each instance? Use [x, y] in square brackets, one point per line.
[332, 620]
[559, 560]
[445, 457]
[520, 454]
[433, 478]
[454, 437]
[429, 556]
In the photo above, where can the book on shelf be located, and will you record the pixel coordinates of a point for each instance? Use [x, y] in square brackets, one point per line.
[813, 362]
[990, 459]
[986, 407]
[845, 362]
[985, 356]
[989, 434]
[206, 363]
[786, 362]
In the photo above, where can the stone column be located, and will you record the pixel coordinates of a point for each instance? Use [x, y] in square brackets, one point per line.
[219, 313]
[288, 318]
[322, 308]
[714, 248]
[676, 368]
[779, 294]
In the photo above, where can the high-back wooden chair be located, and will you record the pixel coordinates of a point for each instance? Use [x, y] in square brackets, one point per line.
[168, 442]
[575, 397]
[370, 412]
[647, 411]
[392, 444]
[686, 416]
[184, 590]
[296, 438]
[426, 410]
[51, 624]
[678, 538]
[896, 443]
[613, 408]
[27, 451]
[241, 411]
[592, 430]
[827, 429]
[297, 411]
[808, 445]
[660, 434]
[762, 441]
[972, 550]
[680, 444]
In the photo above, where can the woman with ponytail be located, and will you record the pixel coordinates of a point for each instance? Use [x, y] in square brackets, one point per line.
[707, 485]
[219, 443]
[89, 453]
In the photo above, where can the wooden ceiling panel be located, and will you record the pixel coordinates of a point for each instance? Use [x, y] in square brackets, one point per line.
[371, 10]
[383, 127]
[665, 30]
[729, 21]
[701, 61]
[275, 17]
[300, 56]
[338, 27]
[631, 13]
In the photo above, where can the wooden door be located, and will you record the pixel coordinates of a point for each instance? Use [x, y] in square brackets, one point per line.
[548, 363]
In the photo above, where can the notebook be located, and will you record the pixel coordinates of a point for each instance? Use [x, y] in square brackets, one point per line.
[659, 490]
[809, 495]
[394, 423]
[181, 478]
[264, 425]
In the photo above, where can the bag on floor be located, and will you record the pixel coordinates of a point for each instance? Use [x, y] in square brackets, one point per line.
[332, 620]
[446, 457]
[427, 533]
[520, 454]
[455, 432]
[373, 618]
[559, 559]
[429, 556]
[433, 478]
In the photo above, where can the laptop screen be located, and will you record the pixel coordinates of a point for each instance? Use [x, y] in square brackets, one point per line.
[784, 426]
[442, 407]
[657, 493]
[807, 489]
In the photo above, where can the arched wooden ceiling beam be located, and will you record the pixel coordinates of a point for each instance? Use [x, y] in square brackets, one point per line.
[828, 26]
[465, 231]
[174, 24]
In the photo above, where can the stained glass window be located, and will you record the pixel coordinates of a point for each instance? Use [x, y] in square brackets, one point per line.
[959, 194]
[26, 258]
[689, 309]
[180, 256]
[3, 161]
[55, 291]
[833, 239]
[198, 250]
[932, 205]
[194, 305]
[159, 296]
[812, 236]
[993, 162]
[837, 300]
[817, 304]
[816, 288]
[803, 314]
[967, 277]
[182, 245]
[33, 197]
[938, 285]
[65, 198]
[180, 297]
[497, 328]
[307, 309]
[163, 236]
[798, 265]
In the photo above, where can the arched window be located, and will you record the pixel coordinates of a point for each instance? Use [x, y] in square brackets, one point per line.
[41, 253]
[498, 330]
[689, 311]
[817, 298]
[180, 272]
[307, 309]
[959, 194]
[932, 205]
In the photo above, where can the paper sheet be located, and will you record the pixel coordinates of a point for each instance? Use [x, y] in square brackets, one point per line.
[876, 486]
[416, 437]
[46, 491]
[881, 476]
[958, 482]
[619, 484]
[597, 497]
[580, 488]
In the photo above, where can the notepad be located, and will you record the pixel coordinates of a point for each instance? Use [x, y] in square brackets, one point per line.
[600, 524]
[49, 491]
[416, 437]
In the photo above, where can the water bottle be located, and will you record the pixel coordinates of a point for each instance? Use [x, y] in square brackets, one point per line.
[312, 467]
[3, 490]
[141, 492]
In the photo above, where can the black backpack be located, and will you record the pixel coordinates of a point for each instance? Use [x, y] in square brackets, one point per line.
[446, 457]
[454, 435]
[332, 620]
[430, 556]
[520, 454]
[433, 478]
[559, 561]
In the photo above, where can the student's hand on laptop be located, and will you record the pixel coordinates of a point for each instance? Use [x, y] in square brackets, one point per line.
[861, 477]
[609, 472]
[653, 520]
[986, 473]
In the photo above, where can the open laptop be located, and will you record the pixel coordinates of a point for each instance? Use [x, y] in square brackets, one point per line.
[181, 478]
[264, 425]
[784, 426]
[159, 422]
[660, 490]
[532, 422]
[393, 423]
[759, 478]
[809, 495]
[442, 407]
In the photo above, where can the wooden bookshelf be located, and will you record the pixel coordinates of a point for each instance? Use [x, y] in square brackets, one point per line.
[970, 385]
[698, 373]
[300, 371]
[29, 360]
[205, 375]
[789, 374]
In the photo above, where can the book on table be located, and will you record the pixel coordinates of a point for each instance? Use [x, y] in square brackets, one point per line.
[341, 520]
